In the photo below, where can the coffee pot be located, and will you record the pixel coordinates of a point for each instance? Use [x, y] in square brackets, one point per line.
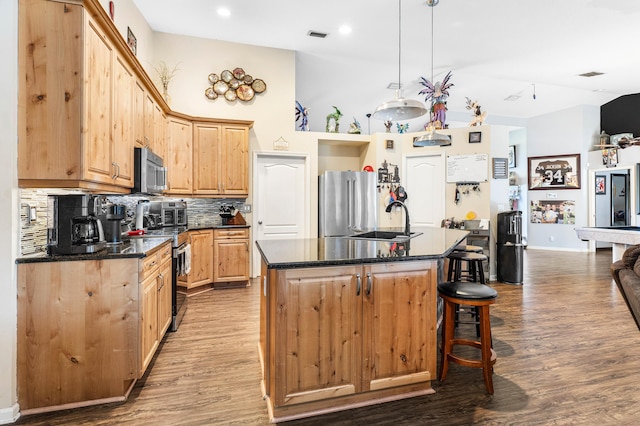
[73, 226]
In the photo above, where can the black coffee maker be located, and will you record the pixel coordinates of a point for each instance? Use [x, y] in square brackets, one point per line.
[73, 226]
[111, 216]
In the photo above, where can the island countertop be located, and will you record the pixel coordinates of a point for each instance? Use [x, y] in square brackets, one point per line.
[433, 243]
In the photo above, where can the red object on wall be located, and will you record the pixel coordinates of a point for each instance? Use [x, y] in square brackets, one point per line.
[112, 10]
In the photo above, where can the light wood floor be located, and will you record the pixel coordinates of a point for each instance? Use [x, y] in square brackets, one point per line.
[568, 353]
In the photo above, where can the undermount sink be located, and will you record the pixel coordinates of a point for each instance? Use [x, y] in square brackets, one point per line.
[384, 235]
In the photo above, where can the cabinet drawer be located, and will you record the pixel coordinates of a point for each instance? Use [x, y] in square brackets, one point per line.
[165, 253]
[150, 263]
[231, 233]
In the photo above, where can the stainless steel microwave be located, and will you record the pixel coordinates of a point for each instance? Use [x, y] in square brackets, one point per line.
[150, 175]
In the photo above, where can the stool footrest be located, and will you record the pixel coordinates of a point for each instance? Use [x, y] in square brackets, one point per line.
[470, 362]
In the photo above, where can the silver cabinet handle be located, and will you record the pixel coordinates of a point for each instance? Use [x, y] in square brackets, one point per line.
[369, 283]
[358, 285]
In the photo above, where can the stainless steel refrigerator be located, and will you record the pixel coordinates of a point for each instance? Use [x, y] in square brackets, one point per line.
[347, 203]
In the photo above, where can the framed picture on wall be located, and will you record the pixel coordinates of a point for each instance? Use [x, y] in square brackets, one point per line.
[132, 41]
[601, 185]
[512, 156]
[554, 172]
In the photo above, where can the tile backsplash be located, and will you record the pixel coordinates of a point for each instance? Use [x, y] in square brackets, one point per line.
[33, 234]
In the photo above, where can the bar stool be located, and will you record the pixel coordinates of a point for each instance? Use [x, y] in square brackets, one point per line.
[474, 270]
[476, 295]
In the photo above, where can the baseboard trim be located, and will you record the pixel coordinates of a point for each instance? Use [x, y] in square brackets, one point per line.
[576, 250]
[9, 415]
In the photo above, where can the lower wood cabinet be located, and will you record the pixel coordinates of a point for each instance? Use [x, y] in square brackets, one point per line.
[87, 329]
[345, 335]
[231, 255]
[201, 260]
[155, 302]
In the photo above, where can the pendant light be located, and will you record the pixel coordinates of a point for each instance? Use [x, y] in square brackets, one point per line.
[432, 138]
[400, 108]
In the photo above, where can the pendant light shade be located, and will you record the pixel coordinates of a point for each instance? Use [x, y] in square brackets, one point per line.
[400, 108]
[432, 138]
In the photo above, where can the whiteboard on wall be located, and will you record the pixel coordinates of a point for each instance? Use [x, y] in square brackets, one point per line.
[467, 168]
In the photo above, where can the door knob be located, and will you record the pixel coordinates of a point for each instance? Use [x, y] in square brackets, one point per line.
[259, 222]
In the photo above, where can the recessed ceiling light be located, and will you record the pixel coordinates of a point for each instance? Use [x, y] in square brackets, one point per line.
[223, 11]
[345, 29]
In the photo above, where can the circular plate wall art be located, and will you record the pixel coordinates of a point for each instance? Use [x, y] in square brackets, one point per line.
[234, 85]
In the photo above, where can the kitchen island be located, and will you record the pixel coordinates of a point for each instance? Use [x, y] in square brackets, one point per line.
[346, 323]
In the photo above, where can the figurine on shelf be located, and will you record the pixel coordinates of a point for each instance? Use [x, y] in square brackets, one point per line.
[354, 128]
[335, 116]
[302, 113]
[387, 125]
[402, 127]
[438, 94]
[478, 114]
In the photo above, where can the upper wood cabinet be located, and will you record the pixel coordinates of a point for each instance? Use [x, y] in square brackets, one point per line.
[179, 157]
[221, 158]
[75, 101]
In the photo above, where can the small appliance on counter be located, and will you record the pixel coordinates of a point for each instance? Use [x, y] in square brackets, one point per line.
[73, 226]
[169, 213]
[111, 216]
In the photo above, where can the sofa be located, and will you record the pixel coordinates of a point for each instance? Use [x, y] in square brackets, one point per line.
[626, 274]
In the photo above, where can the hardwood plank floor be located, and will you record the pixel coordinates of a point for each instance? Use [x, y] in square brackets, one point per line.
[568, 353]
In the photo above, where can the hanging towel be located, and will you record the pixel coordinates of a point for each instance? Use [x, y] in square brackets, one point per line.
[185, 253]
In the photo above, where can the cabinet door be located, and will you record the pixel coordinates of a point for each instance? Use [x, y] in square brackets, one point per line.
[317, 329]
[165, 285]
[234, 173]
[231, 260]
[123, 115]
[139, 98]
[207, 139]
[179, 157]
[149, 126]
[148, 321]
[201, 259]
[97, 117]
[399, 320]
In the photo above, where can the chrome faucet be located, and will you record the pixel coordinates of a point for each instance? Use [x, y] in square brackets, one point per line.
[407, 227]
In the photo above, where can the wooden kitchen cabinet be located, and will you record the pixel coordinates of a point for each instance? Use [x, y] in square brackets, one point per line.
[75, 100]
[78, 337]
[155, 302]
[179, 157]
[201, 260]
[344, 335]
[231, 255]
[221, 158]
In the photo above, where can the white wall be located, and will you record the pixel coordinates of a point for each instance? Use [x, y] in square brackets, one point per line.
[11, 215]
[570, 131]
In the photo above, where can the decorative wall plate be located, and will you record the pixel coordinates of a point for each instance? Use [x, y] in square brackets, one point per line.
[245, 93]
[238, 73]
[210, 93]
[213, 78]
[220, 87]
[234, 83]
[226, 75]
[230, 95]
[248, 79]
[258, 85]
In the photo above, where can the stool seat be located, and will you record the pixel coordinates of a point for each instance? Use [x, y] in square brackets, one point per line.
[480, 297]
[467, 255]
[467, 291]
[468, 248]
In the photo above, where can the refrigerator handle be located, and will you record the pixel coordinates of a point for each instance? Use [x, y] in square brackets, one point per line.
[350, 204]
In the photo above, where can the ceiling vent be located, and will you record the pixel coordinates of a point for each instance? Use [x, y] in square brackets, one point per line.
[590, 74]
[317, 34]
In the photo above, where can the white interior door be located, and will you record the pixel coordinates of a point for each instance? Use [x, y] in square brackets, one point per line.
[281, 199]
[424, 183]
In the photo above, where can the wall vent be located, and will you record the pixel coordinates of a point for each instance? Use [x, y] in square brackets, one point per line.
[317, 34]
[590, 74]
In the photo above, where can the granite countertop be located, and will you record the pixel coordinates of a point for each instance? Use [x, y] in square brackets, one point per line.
[433, 243]
[131, 247]
[611, 234]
